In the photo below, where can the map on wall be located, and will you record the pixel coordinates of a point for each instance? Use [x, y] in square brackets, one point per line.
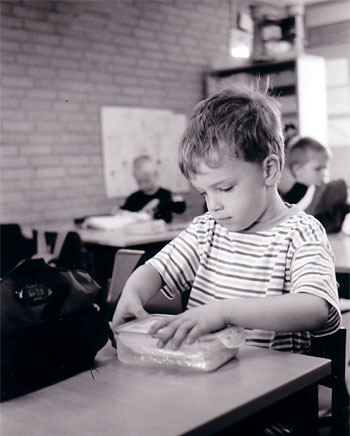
[129, 132]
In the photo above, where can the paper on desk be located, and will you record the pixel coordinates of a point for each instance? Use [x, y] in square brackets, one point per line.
[119, 221]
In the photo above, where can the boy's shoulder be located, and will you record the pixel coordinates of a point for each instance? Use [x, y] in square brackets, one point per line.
[203, 225]
[299, 226]
[204, 220]
[302, 228]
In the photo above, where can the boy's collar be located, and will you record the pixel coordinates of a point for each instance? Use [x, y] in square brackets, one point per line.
[268, 225]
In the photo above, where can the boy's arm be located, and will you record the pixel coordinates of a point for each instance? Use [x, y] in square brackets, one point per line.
[284, 313]
[291, 312]
[143, 283]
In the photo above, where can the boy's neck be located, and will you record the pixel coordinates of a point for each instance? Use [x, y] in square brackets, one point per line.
[151, 191]
[277, 212]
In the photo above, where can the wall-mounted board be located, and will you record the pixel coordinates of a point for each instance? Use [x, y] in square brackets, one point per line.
[129, 132]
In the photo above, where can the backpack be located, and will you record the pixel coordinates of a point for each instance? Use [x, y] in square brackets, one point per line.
[52, 325]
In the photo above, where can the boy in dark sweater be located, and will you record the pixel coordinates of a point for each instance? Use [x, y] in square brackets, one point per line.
[160, 203]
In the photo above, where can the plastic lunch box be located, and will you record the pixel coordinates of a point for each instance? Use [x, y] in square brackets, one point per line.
[208, 353]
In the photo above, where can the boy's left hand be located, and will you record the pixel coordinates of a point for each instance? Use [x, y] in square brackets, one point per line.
[189, 326]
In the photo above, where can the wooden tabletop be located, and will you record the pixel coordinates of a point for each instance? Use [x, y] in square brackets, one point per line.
[120, 238]
[117, 399]
[129, 237]
[340, 242]
[135, 236]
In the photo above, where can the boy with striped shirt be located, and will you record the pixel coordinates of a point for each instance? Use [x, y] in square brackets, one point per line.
[251, 260]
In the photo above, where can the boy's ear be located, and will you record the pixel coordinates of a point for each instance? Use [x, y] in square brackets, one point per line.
[295, 170]
[272, 169]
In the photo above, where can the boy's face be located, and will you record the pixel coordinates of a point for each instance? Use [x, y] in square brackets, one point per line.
[146, 175]
[235, 193]
[314, 171]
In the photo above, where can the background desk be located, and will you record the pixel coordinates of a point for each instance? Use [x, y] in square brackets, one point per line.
[128, 238]
[104, 243]
[340, 243]
[116, 238]
[122, 400]
[341, 247]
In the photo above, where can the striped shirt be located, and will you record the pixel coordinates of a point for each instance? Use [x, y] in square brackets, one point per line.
[215, 263]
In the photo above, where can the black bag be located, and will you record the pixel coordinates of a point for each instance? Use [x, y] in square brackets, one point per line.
[52, 325]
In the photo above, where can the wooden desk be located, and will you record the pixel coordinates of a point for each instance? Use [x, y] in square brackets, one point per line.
[120, 238]
[128, 238]
[103, 244]
[340, 243]
[122, 400]
[116, 238]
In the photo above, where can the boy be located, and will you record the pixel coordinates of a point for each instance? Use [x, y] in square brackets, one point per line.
[251, 260]
[307, 163]
[151, 198]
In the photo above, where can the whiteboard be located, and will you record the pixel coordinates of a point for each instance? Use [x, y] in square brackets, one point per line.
[129, 132]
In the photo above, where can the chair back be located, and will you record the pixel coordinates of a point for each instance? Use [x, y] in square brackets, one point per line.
[333, 347]
[125, 261]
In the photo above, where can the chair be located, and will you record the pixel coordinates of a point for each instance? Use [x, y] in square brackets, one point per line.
[333, 347]
[14, 247]
[336, 423]
[125, 261]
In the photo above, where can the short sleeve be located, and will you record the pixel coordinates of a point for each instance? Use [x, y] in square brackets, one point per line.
[312, 272]
[177, 262]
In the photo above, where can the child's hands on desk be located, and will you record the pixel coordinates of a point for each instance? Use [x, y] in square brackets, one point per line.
[128, 307]
[189, 326]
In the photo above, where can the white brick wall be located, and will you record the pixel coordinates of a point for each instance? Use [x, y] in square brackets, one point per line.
[61, 61]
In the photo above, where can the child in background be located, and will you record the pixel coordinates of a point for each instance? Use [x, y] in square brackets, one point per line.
[307, 164]
[158, 202]
[251, 260]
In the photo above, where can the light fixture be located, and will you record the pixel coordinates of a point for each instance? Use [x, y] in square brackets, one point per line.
[241, 35]
[239, 44]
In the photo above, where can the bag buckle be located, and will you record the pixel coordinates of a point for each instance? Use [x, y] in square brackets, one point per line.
[36, 293]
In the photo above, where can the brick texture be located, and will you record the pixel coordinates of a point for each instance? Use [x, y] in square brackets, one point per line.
[61, 61]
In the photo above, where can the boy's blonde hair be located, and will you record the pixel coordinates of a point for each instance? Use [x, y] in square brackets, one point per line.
[302, 149]
[242, 122]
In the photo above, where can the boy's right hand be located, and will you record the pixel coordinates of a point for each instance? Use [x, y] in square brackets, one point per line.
[128, 307]
[144, 282]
